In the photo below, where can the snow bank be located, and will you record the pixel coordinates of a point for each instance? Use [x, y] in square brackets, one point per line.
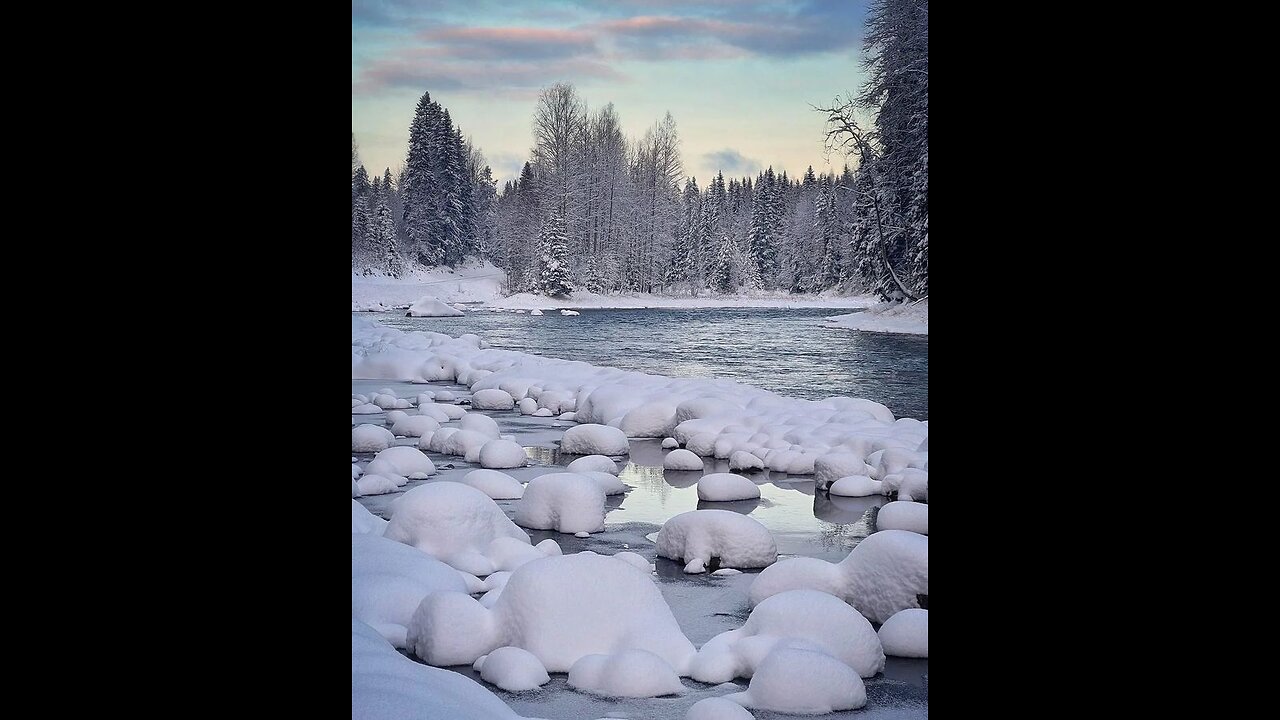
[492, 399]
[802, 682]
[370, 438]
[593, 439]
[454, 523]
[593, 463]
[810, 615]
[363, 521]
[906, 318]
[630, 673]
[431, 307]
[904, 515]
[739, 541]
[513, 669]
[565, 502]
[906, 634]
[855, 486]
[389, 580]
[400, 460]
[726, 487]
[497, 485]
[881, 575]
[682, 460]
[502, 454]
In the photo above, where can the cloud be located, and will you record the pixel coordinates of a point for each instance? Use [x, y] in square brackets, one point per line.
[422, 68]
[730, 162]
[509, 43]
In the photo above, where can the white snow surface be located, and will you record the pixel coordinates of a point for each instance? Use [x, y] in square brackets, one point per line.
[855, 486]
[726, 487]
[492, 399]
[905, 318]
[881, 575]
[810, 615]
[564, 502]
[593, 463]
[501, 454]
[370, 438]
[513, 669]
[431, 307]
[906, 634]
[802, 682]
[738, 540]
[363, 521]
[902, 515]
[389, 580]
[415, 425]
[376, 485]
[668, 444]
[631, 673]
[454, 523]
[497, 485]
[594, 439]
[400, 460]
[684, 460]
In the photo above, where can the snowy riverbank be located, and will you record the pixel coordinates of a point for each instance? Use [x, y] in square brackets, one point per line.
[909, 319]
[482, 284]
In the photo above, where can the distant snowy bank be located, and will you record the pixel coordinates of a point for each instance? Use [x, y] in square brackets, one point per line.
[905, 318]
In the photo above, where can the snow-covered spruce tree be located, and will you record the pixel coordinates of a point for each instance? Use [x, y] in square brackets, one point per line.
[359, 216]
[722, 270]
[553, 257]
[827, 230]
[486, 206]
[386, 241]
[686, 246]
[765, 220]
[420, 189]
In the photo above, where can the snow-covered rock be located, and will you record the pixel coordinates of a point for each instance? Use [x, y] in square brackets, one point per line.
[855, 486]
[726, 487]
[906, 634]
[431, 307]
[630, 673]
[442, 396]
[593, 463]
[527, 406]
[831, 467]
[910, 484]
[904, 515]
[668, 444]
[376, 485]
[463, 443]
[389, 580]
[513, 669]
[355, 489]
[363, 521]
[535, 311]
[502, 454]
[802, 682]
[651, 420]
[607, 483]
[595, 439]
[480, 424]
[742, 460]
[739, 541]
[400, 460]
[716, 708]
[415, 426]
[450, 412]
[395, 416]
[365, 409]
[817, 617]
[452, 522]
[881, 575]
[497, 485]
[681, 460]
[492, 399]
[370, 438]
[564, 502]
[570, 312]
[542, 412]
[634, 559]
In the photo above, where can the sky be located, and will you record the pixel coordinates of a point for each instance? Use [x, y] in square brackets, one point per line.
[738, 77]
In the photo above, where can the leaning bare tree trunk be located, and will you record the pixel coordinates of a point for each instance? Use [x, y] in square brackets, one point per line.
[884, 247]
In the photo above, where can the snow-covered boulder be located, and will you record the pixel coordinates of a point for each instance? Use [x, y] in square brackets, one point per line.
[609, 484]
[717, 708]
[855, 486]
[502, 454]
[802, 682]
[593, 463]
[481, 424]
[442, 396]
[570, 312]
[386, 401]
[700, 535]
[452, 522]
[904, 515]
[817, 617]
[513, 669]
[565, 502]
[389, 580]
[832, 466]
[355, 489]
[535, 311]
[450, 412]
[910, 484]
[630, 673]
[906, 634]
[726, 487]
[497, 485]
[414, 426]
[883, 574]
[650, 420]
[376, 485]
[400, 460]
[527, 406]
[463, 443]
[370, 438]
[365, 409]
[595, 439]
[634, 559]
[363, 521]
[542, 412]
[492, 399]
[742, 460]
[668, 444]
[431, 307]
[681, 460]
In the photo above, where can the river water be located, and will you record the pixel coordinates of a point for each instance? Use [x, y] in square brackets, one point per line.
[792, 352]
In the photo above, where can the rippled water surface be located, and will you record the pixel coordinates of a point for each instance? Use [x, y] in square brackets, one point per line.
[792, 352]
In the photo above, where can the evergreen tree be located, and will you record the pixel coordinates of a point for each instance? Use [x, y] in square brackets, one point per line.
[553, 257]
[419, 190]
[486, 207]
[722, 268]
[765, 221]
[386, 241]
[827, 229]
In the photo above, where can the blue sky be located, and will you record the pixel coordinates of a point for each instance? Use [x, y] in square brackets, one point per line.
[737, 76]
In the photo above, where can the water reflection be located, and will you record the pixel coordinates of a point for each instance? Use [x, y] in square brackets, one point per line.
[739, 506]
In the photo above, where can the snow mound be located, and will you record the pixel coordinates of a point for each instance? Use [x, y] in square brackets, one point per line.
[535, 311]
[543, 412]
[802, 682]
[832, 466]
[609, 484]
[855, 486]
[513, 669]
[742, 460]
[910, 484]
[443, 396]
[415, 426]
[502, 454]
[370, 438]
[450, 412]
[386, 684]
[363, 521]
[497, 485]
[630, 673]
[651, 420]
[454, 523]
[481, 424]
[595, 439]
[906, 634]
[668, 444]
[634, 559]
[881, 575]
[901, 515]
[570, 312]
[593, 463]
[816, 617]
[892, 317]
[564, 502]
[389, 580]
[726, 487]
[683, 460]
[376, 485]
[431, 307]
[492, 399]
[365, 409]
[716, 708]
[739, 541]
[400, 460]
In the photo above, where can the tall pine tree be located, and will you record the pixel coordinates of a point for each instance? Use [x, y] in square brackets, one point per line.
[553, 256]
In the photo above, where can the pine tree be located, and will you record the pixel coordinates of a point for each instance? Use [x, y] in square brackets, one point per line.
[722, 268]
[827, 229]
[765, 222]
[419, 190]
[359, 212]
[553, 257]
[386, 241]
[486, 206]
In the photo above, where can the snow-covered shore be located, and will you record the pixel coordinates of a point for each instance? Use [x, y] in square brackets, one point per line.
[482, 284]
[907, 319]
